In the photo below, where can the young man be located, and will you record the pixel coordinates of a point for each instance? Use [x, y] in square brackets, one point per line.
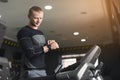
[34, 44]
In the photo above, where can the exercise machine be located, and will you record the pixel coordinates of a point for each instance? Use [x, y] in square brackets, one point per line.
[89, 68]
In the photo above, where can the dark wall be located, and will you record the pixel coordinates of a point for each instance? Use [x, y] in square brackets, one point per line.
[2, 32]
[110, 56]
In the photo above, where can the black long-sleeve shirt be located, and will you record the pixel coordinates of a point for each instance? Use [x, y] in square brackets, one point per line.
[32, 42]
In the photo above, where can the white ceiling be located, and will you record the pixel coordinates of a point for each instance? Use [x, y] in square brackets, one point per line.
[88, 17]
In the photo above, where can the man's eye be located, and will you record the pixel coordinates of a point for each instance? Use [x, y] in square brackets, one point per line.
[34, 17]
[41, 18]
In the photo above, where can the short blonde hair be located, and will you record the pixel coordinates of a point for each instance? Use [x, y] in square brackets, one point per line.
[34, 8]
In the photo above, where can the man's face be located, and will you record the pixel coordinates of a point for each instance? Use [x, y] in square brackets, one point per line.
[36, 18]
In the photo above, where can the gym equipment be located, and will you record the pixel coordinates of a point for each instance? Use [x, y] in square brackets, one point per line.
[4, 69]
[4, 63]
[89, 68]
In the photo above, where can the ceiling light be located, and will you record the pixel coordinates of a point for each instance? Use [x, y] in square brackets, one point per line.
[48, 7]
[76, 33]
[83, 40]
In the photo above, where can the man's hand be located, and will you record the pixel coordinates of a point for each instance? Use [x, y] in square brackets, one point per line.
[50, 41]
[53, 44]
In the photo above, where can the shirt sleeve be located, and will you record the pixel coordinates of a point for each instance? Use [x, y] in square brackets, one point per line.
[26, 44]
